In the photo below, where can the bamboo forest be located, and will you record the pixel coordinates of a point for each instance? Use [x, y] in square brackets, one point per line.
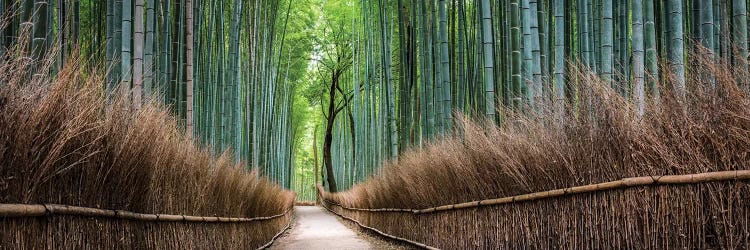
[374, 124]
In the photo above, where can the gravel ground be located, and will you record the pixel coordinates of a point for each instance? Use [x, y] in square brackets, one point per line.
[316, 228]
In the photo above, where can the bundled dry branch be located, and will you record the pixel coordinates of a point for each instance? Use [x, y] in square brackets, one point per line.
[27, 210]
[599, 139]
[737, 175]
[62, 141]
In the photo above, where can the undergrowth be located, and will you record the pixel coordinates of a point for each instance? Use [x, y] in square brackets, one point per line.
[64, 141]
[598, 137]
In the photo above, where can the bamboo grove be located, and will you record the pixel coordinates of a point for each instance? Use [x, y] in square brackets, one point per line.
[417, 62]
[217, 65]
[380, 76]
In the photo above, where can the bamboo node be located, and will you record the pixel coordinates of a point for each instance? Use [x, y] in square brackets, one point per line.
[47, 212]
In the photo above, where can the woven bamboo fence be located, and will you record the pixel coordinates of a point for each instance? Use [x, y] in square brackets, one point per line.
[50, 226]
[698, 211]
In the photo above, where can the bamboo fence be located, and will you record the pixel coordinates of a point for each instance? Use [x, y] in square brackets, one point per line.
[33, 226]
[706, 210]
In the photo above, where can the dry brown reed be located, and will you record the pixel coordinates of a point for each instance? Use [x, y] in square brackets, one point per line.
[62, 141]
[599, 138]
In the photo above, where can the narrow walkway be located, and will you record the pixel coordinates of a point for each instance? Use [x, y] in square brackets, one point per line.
[317, 229]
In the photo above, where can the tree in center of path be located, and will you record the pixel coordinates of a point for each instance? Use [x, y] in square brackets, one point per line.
[335, 61]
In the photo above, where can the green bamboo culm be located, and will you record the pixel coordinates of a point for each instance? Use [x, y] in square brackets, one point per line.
[138, 41]
[528, 55]
[675, 50]
[126, 67]
[650, 48]
[39, 36]
[427, 73]
[166, 41]
[464, 87]
[607, 40]
[536, 68]
[391, 110]
[516, 57]
[445, 67]
[707, 34]
[739, 38]
[148, 57]
[559, 52]
[638, 57]
[489, 78]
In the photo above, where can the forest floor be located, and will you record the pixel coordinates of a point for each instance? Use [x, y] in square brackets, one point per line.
[316, 228]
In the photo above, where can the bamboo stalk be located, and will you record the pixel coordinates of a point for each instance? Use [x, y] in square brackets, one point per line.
[734, 175]
[36, 210]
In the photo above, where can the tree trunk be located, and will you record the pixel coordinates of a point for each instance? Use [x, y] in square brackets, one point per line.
[332, 112]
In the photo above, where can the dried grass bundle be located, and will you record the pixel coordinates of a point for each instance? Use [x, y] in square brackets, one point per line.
[62, 141]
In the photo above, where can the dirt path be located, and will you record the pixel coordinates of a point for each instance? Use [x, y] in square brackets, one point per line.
[317, 229]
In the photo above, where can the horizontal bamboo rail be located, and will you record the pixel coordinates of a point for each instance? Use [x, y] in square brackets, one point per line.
[41, 210]
[393, 237]
[618, 184]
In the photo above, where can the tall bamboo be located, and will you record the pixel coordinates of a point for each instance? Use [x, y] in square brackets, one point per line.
[651, 54]
[39, 19]
[528, 56]
[515, 38]
[675, 51]
[739, 37]
[385, 47]
[126, 62]
[138, 55]
[189, 64]
[165, 49]
[607, 41]
[110, 54]
[489, 78]
[150, 50]
[638, 57]
[560, 64]
[707, 32]
[536, 69]
[445, 67]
